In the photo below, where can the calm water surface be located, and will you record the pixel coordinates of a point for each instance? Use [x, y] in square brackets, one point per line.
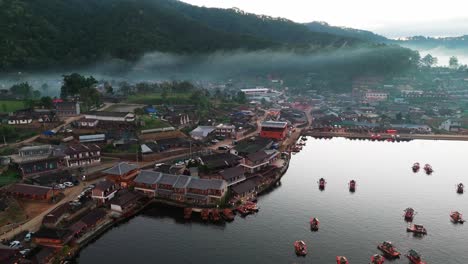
[352, 224]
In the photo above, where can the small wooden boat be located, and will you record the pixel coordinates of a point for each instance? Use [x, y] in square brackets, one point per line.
[416, 167]
[341, 260]
[460, 187]
[414, 257]
[322, 184]
[228, 215]
[300, 247]
[242, 210]
[377, 259]
[428, 169]
[416, 229]
[187, 213]
[409, 214]
[457, 217]
[389, 250]
[251, 207]
[352, 186]
[205, 214]
[304, 138]
[215, 216]
[314, 224]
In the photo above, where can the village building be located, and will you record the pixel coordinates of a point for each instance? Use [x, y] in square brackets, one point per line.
[38, 159]
[20, 120]
[233, 175]
[54, 217]
[251, 145]
[82, 155]
[247, 189]
[111, 116]
[374, 96]
[52, 237]
[274, 130]
[67, 109]
[202, 132]
[225, 131]
[86, 123]
[92, 219]
[32, 192]
[219, 161]
[104, 191]
[451, 125]
[97, 138]
[257, 161]
[124, 201]
[180, 188]
[122, 173]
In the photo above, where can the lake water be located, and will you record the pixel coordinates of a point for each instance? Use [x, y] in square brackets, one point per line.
[352, 224]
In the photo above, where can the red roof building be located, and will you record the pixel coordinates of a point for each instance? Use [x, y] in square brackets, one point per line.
[274, 130]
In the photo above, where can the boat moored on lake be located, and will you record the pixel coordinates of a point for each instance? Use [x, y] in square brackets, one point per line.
[228, 215]
[460, 187]
[352, 186]
[416, 167]
[300, 248]
[428, 169]
[457, 217]
[187, 213]
[205, 214]
[314, 224]
[389, 250]
[414, 257]
[322, 184]
[409, 214]
[416, 229]
[377, 259]
[341, 260]
[215, 216]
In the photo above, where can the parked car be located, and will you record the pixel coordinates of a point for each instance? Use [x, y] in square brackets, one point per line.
[28, 236]
[214, 141]
[15, 244]
[92, 186]
[60, 186]
[24, 252]
[68, 184]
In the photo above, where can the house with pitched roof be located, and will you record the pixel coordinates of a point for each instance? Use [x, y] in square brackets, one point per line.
[122, 173]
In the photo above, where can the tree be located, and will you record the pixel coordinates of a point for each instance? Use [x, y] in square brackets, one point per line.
[46, 102]
[36, 94]
[23, 90]
[4, 108]
[74, 83]
[429, 61]
[453, 62]
[45, 88]
[164, 93]
[125, 88]
[109, 89]
[241, 99]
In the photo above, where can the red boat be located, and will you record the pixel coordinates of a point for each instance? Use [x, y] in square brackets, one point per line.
[460, 188]
[228, 215]
[416, 167]
[215, 216]
[414, 257]
[428, 169]
[300, 247]
[187, 213]
[322, 183]
[409, 214]
[341, 260]
[205, 214]
[417, 229]
[457, 217]
[352, 186]
[251, 207]
[377, 259]
[388, 248]
[314, 224]
[242, 210]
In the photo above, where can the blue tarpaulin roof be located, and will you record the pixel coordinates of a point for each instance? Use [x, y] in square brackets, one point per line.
[48, 133]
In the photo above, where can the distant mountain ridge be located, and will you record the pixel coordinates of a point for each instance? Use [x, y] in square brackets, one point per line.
[324, 27]
[460, 42]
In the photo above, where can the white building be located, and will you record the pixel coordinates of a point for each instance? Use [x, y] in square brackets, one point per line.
[111, 116]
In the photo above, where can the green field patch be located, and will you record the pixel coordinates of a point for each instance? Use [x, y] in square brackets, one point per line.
[7, 106]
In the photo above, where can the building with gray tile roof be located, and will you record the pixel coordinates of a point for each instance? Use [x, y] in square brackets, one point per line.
[120, 169]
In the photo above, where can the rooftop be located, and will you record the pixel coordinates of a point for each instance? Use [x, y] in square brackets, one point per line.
[27, 189]
[148, 177]
[274, 124]
[108, 114]
[232, 172]
[121, 169]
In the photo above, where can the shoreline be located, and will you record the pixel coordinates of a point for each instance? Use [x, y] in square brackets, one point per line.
[384, 136]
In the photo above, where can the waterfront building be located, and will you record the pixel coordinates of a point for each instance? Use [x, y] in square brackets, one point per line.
[124, 201]
[180, 188]
[52, 237]
[274, 130]
[233, 175]
[104, 191]
[122, 173]
[257, 161]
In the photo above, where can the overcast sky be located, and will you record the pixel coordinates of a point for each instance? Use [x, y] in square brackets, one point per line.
[395, 18]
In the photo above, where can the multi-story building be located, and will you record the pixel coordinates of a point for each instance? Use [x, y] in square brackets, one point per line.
[274, 130]
[38, 159]
[82, 155]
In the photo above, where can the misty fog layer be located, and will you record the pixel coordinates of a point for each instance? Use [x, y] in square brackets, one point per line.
[220, 65]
